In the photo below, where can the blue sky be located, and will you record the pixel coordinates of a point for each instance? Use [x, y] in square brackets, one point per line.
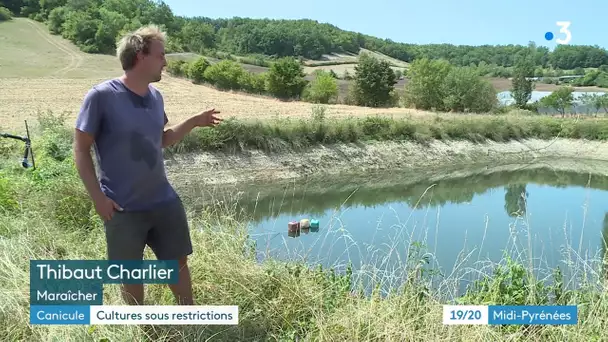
[472, 22]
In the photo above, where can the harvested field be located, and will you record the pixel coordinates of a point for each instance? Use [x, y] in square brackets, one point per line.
[182, 99]
[42, 72]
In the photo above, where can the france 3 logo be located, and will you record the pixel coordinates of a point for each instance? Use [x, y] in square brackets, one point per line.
[564, 29]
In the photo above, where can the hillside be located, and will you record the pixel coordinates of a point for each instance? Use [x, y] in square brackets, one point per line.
[94, 25]
[42, 72]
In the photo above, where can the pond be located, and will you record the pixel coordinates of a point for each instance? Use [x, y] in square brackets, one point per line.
[505, 98]
[534, 213]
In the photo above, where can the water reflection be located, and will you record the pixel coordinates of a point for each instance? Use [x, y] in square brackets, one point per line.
[536, 212]
[505, 98]
[313, 197]
[515, 200]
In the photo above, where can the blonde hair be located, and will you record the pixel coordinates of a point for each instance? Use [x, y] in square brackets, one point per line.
[138, 41]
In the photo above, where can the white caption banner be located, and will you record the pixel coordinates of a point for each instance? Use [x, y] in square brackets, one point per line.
[164, 314]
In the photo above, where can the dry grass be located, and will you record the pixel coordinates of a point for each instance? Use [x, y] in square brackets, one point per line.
[182, 99]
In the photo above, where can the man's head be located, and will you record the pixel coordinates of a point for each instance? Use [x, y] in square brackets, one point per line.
[143, 53]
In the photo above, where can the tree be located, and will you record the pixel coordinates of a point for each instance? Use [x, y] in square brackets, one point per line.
[375, 81]
[5, 14]
[522, 86]
[602, 102]
[424, 90]
[560, 100]
[197, 36]
[286, 78]
[464, 91]
[592, 101]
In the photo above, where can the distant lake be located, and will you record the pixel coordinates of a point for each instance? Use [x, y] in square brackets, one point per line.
[505, 98]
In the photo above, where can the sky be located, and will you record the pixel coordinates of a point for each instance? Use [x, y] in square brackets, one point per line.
[468, 22]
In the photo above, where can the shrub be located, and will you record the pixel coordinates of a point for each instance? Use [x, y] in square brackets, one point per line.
[196, 70]
[286, 78]
[323, 89]
[177, 67]
[253, 83]
[56, 19]
[225, 75]
[5, 14]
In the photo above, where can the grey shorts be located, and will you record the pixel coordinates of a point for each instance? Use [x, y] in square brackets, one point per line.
[165, 230]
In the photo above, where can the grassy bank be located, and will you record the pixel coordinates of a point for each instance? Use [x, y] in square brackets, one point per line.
[45, 214]
[276, 135]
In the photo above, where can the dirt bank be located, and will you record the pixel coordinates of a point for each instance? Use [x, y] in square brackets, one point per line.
[254, 166]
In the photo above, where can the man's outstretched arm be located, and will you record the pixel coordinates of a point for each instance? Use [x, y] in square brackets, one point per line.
[175, 134]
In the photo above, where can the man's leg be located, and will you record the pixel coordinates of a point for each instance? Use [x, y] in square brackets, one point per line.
[126, 239]
[170, 240]
[183, 289]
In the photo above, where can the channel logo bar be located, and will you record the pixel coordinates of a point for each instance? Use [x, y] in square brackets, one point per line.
[134, 315]
[510, 314]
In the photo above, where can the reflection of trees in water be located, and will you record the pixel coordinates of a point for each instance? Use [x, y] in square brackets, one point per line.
[515, 200]
[266, 201]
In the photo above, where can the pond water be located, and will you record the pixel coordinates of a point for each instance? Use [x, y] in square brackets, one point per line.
[541, 216]
[505, 98]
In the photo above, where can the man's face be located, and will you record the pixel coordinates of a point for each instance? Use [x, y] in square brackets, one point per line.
[152, 64]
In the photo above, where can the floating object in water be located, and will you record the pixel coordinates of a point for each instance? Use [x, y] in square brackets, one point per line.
[314, 226]
[293, 226]
[304, 223]
[293, 234]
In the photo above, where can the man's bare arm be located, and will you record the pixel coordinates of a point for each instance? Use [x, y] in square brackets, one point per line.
[84, 164]
[174, 134]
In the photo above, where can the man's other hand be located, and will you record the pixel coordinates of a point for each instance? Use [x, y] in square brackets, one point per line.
[105, 207]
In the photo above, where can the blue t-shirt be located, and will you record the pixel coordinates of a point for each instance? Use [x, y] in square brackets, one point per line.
[128, 130]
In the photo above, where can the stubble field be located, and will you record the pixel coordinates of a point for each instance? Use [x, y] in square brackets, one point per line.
[41, 72]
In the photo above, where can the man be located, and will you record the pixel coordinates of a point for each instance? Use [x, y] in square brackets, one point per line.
[124, 120]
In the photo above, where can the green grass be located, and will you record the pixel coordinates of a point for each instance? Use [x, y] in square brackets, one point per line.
[30, 51]
[281, 134]
[46, 214]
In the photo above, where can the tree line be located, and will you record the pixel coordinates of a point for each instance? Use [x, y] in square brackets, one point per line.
[94, 25]
[434, 84]
[373, 80]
